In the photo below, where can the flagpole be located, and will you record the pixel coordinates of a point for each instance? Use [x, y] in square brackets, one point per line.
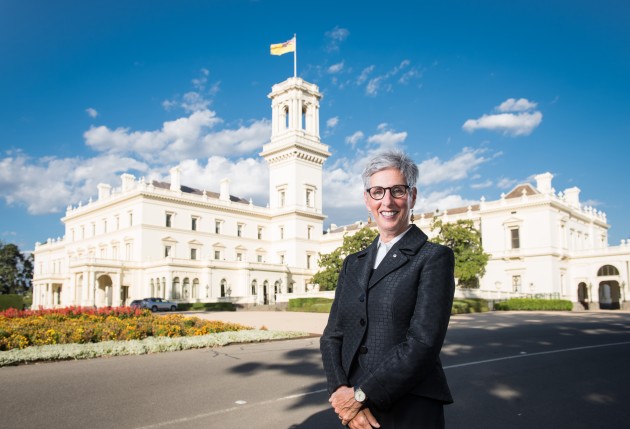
[295, 56]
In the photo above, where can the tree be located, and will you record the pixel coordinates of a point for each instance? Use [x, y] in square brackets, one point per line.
[331, 263]
[465, 241]
[16, 269]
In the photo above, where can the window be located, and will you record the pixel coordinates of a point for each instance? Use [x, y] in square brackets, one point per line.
[515, 239]
[130, 218]
[308, 262]
[193, 223]
[128, 251]
[217, 254]
[281, 199]
[607, 270]
[516, 283]
[104, 226]
[114, 252]
[259, 258]
[239, 230]
[239, 257]
[282, 259]
[309, 232]
[260, 232]
[309, 198]
[254, 287]
[281, 233]
[193, 254]
[169, 220]
[167, 251]
[117, 219]
[223, 287]
[217, 227]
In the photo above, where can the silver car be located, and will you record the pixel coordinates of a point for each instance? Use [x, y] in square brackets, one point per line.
[158, 304]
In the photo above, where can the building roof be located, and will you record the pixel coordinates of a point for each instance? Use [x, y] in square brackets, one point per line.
[188, 190]
[517, 192]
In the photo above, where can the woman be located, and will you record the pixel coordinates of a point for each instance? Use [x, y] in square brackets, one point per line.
[392, 306]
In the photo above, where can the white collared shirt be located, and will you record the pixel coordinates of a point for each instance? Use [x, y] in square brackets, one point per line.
[383, 248]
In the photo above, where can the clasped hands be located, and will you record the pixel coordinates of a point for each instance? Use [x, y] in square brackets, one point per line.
[350, 411]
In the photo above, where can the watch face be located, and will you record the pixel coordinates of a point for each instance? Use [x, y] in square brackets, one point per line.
[359, 395]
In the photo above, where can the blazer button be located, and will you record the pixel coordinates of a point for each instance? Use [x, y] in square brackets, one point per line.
[362, 322]
[362, 298]
[363, 350]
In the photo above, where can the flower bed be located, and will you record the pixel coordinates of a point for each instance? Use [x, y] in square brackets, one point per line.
[80, 325]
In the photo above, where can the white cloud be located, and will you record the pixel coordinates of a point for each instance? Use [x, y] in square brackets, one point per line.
[336, 36]
[355, 138]
[92, 113]
[434, 170]
[197, 100]
[505, 183]
[248, 176]
[186, 137]
[481, 185]
[53, 183]
[335, 68]
[388, 139]
[364, 74]
[332, 122]
[440, 200]
[514, 105]
[521, 123]
[382, 82]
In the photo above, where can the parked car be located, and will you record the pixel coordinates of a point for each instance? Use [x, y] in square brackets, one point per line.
[136, 303]
[157, 304]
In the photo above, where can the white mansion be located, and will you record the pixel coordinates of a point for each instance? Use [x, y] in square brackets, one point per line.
[167, 240]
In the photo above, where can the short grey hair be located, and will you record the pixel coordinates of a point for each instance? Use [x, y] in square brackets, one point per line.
[391, 159]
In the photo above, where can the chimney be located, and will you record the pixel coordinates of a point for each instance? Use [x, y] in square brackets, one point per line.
[127, 181]
[225, 190]
[175, 179]
[572, 196]
[543, 183]
[104, 190]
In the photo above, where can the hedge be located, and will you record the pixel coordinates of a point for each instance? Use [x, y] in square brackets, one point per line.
[11, 301]
[310, 305]
[473, 305]
[534, 304]
[206, 306]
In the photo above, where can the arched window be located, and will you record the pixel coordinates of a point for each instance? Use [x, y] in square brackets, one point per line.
[254, 287]
[607, 270]
[186, 288]
[195, 289]
[175, 289]
[223, 286]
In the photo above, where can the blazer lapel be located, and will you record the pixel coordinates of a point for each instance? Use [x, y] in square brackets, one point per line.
[397, 256]
[365, 264]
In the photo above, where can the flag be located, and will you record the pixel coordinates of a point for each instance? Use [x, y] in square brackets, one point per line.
[283, 48]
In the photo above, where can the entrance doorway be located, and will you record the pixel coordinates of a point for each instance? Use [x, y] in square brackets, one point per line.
[609, 295]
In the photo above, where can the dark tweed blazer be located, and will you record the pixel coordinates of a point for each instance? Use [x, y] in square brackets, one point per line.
[393, 321]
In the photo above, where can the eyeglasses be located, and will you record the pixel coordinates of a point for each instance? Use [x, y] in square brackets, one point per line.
[396, 191]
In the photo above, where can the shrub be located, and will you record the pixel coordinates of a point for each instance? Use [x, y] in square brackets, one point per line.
[534, 304]
[11, 301]
[473, 305]
[310, 305]
[206, 306]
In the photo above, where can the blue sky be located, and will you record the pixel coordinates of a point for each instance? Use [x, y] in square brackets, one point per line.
[482, 94]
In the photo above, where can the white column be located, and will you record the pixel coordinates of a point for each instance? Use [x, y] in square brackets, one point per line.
[116, 285]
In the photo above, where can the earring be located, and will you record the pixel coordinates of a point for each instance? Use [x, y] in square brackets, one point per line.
[412, 215]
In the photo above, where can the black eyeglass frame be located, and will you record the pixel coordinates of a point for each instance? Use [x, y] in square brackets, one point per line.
[406, 187]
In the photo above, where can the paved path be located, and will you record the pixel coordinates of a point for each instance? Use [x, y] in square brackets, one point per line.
[313, 323]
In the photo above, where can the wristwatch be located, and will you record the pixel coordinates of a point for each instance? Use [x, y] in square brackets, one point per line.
[359, 395]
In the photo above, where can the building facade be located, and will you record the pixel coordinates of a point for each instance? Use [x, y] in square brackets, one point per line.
[171, 241]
